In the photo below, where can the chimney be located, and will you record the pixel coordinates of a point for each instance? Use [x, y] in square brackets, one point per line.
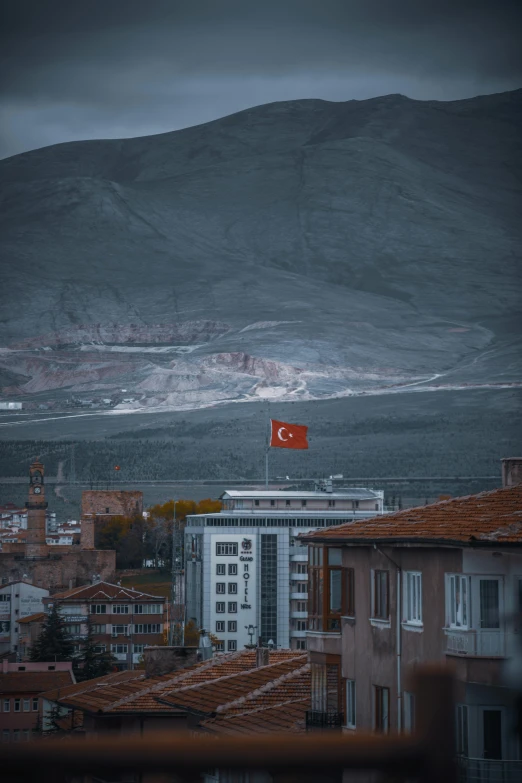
[262, 656]
[5, 665]
[511, 471]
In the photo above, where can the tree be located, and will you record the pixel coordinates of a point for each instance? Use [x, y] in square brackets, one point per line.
[91, 663]
[53, 643]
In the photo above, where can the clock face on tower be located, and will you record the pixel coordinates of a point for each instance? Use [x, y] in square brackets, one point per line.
[37, 490]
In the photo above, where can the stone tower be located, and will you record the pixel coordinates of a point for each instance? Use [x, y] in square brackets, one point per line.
[36, 505]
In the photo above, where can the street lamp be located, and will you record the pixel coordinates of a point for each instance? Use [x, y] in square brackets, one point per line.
[251, 629]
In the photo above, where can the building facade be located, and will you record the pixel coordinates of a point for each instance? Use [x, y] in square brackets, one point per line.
[17, 601]
[438, 583]
[20, 702]
[122, 621]
[246, 570]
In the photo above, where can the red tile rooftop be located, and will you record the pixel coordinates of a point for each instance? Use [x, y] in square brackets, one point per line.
[105, 591]
[489, 517]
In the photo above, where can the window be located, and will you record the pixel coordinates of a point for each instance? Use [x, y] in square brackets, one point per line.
[232, 569]
[350, 704]
[301, 625]
[5, 735]
[27, 705]
[232, 607]
[120, 629]
[220, 587]
[232, 645]
[148, 628]
[220, 626]
[413, 597]
[98, 609]
[220, 569]
[100, 648]
[219, 646]
[27, 735]
[301, 606]
[300, 568]
[355, 504]
[272, 502]
[74, 629]
[300, 644]
[381, 708]
[5, 597]
[457, 597]
[35, 704]
[7, 705]
[120, 649]
[226, 548]
[287, 502]
[303, 503]
[232, 588]
[17, 705]
[148, 609]
[331, 503]
[381, 605]
[302, 587]
[16, 735]
[138, 648]
[256, 502]
[232, 626]
[120, 608]
[462, 729]
[349, 592]
[96, 628]
[107, 510]
[220, 607]
[409, 711]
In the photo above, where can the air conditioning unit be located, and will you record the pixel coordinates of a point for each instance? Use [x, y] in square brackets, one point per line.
[114, 635]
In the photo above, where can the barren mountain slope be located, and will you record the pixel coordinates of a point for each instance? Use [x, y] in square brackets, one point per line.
[295, 250]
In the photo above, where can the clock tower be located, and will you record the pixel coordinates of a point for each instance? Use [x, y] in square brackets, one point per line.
[36, 505]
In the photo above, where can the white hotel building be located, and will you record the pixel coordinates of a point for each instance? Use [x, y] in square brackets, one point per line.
[245, 567]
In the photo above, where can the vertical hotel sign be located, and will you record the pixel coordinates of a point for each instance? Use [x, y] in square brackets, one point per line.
[233, 564]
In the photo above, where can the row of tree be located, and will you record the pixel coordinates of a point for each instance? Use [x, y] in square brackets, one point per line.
[137, 539]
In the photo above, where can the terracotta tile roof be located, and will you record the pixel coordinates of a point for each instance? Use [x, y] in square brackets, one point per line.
[494, 517]
[207, 697]
[32, 618]
[33, 682]
[294, 686]
[288, 717]
[132, 692]
[103, 591]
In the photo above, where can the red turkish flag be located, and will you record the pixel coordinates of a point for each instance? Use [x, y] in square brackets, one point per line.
[288, 436]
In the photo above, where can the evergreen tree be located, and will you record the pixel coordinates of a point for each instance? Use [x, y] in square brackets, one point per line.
[91, 663]
[53, 643]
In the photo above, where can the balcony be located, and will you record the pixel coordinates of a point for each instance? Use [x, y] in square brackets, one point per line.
[294, 575]
[324, 720]
[294, 596]
[475, 643]
[298, 615]
[489, 770]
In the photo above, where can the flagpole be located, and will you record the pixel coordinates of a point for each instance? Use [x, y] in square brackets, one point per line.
[267, 444]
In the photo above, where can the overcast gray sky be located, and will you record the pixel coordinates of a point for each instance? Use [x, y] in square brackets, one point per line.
[83, 69]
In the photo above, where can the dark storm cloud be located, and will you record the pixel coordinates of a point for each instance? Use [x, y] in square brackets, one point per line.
[106, 68]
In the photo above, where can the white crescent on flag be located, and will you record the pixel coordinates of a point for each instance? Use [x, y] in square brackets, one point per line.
[288, 436]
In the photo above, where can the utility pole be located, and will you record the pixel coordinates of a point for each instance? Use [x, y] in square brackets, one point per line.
[177, 631]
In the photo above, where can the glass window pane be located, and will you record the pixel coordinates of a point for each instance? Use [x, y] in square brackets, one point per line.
[489, 603]
[335, 591]
[334, 556]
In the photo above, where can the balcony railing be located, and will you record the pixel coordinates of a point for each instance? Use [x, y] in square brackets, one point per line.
[489, 770]
[476, 643]
[324, 720]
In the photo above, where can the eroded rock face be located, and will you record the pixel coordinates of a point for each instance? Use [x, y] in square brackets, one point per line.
[293, 251]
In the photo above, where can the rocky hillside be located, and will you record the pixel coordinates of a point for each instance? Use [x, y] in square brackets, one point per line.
[296, 250]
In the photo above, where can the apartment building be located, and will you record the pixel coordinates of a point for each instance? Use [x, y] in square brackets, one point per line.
[17, 601]
[437, 583]
[246, 570]
[122, 621]
[20, 703]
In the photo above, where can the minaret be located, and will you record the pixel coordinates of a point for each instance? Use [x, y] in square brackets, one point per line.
[36, 544]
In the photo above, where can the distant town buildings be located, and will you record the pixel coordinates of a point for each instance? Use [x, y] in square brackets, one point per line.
[246, 569]
[53, 560]
[122, 621]
[437, 583]
[17, 601]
